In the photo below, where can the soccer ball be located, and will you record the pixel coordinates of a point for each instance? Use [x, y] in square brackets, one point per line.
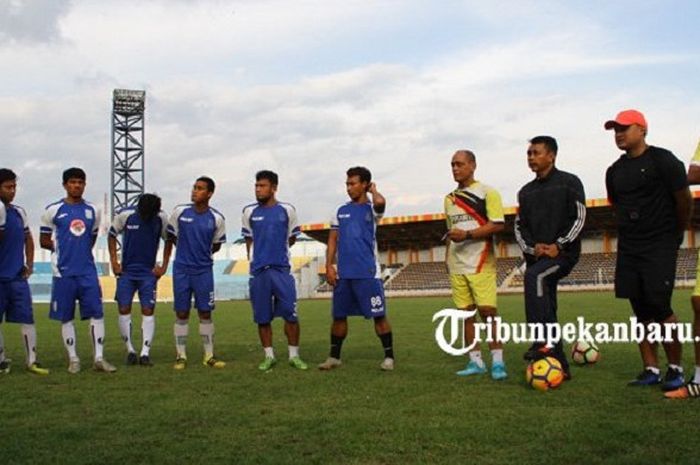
[585, 353]
[544, 374]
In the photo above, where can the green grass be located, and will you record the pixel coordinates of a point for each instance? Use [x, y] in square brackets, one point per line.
[420, 413]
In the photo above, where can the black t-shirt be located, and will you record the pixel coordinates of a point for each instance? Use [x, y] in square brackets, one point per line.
[641, 191]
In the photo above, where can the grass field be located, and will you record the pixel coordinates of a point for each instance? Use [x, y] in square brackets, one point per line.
[420, 413]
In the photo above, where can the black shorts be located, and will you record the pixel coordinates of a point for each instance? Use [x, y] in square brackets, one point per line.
[647, 280]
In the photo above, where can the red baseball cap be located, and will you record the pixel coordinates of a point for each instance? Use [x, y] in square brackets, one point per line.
[627, 118]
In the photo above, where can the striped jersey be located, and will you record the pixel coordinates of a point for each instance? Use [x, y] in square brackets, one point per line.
[469, 208]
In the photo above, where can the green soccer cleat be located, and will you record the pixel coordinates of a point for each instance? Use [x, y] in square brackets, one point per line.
[213, 362]
[37, 369]
[298, 363]
[267, 364]
[180, 363]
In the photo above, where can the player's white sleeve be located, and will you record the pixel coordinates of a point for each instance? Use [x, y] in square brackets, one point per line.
[293, 226]
[3, 216]
[174, 218]
[119, 222]
[164, 225]
[246, 229]
[98, 218]
[23, 216]
[47, 225]
[220, 231]
[334, 219]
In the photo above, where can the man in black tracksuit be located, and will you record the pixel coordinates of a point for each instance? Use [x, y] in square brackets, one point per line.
[551, 215]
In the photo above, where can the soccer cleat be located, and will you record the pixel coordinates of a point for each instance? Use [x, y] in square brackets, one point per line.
[132, 358]
[689, 390]
[646, 378]
[5, 366]
[472, 368]
[329, 364]
[387, 364]
[103, 366]
[498, 371]
[298, 363]
[74, 366]
[37, 369]
[536, 352]
[145, 361]
[267, 364]
[180, 363]
[673, 380]
[212, 362]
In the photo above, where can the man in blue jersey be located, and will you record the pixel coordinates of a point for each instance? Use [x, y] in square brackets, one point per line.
[141, 230]
[197, 230]
[16, 265]
[357, 288]
[270, 229]
[69, 230]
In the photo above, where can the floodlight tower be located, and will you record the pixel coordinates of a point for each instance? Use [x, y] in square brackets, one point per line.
[128, 168]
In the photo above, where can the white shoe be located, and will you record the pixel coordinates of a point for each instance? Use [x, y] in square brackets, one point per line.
[329, 364]
[103, 365]
[387, 364]
[74, 366]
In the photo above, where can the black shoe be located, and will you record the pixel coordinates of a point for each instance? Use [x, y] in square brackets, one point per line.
[537, 352]
[673, 380]
[646, 378]
[132, 359]
[145, 361]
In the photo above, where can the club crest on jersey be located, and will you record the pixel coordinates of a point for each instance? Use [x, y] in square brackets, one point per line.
[77, 227]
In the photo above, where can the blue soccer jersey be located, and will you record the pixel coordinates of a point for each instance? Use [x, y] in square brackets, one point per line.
[356, 224]
[13, 224]
[73, 227]
[196, 233]
[270, 228]
[140, 240]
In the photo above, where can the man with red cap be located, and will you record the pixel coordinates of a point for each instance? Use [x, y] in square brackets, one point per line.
[648, 189]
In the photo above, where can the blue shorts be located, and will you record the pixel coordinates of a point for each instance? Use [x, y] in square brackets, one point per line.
[200, 285]
[66, 290]
[354, 297]
[16, 302]
[128, 285]
[272, 294]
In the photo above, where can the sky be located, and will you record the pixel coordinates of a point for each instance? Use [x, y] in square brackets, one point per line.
[311, 88]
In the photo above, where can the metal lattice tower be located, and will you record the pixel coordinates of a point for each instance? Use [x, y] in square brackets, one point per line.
[128, 168]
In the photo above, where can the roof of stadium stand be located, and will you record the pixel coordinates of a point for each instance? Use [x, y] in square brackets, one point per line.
[424, 231]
